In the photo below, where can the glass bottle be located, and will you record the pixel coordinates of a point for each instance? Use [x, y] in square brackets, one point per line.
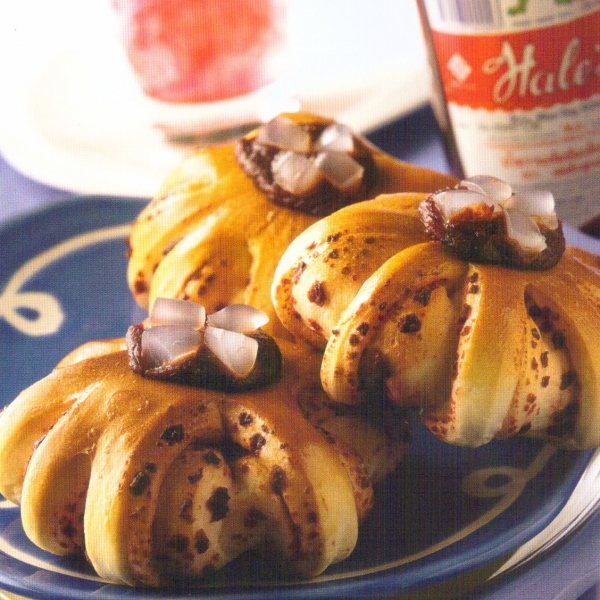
[516, 91]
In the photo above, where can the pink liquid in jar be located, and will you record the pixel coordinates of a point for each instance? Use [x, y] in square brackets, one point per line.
[203, 50]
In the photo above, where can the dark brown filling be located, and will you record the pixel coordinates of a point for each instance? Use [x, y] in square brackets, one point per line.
[478, 234]
[256, 160]
[205, 370]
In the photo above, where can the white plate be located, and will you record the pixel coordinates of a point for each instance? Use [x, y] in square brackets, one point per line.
[76, 119]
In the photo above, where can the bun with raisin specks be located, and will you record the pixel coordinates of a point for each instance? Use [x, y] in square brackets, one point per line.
[481, 350]
[159, 484]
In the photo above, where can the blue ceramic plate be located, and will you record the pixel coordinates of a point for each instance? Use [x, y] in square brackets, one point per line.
[445, 512]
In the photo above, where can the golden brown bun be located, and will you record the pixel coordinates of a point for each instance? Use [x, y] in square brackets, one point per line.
[156, 481]
[482, 351]
[212, 237]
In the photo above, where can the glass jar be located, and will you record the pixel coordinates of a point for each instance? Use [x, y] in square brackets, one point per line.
[204, 50]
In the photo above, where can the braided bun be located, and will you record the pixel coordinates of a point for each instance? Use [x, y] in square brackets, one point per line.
[481, 350]
[157, 482]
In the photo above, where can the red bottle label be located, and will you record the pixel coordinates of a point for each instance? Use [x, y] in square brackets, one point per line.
[534, 68]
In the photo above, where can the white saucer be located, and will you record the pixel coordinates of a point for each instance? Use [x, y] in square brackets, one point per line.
[76, 119]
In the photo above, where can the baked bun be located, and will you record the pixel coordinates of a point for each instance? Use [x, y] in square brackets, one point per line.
[482, 351]
[159, 483]
[217, 228]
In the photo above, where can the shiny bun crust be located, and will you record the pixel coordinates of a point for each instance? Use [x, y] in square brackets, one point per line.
[481, 351]
[158, 483]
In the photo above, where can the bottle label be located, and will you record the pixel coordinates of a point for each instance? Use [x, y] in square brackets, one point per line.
[478, 16]
[524, 69]
[522, 86]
